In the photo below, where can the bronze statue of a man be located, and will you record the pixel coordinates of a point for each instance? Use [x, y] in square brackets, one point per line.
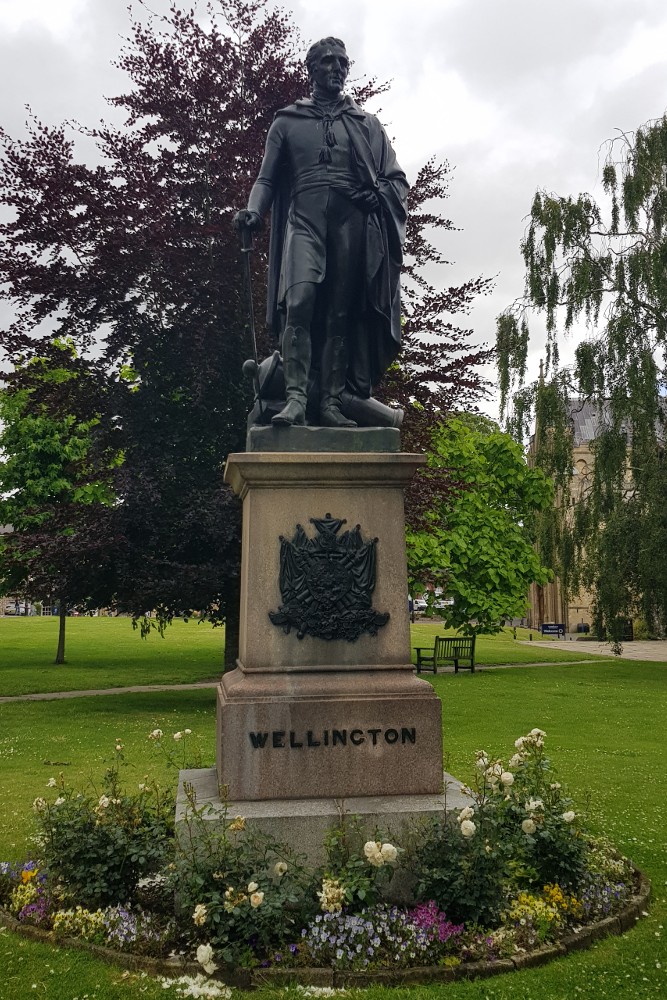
[338, 208]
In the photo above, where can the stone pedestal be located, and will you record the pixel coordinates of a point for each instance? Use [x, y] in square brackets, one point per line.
[303, 823]
[314, 718]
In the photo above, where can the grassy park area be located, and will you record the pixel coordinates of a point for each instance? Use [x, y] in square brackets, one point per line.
[605, 725]
[108, 652]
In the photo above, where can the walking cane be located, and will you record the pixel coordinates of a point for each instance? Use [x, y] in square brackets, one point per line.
[251, 367]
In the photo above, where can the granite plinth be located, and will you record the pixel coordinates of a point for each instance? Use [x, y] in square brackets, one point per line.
[323, 439]
[307, 735]
[302, 823]
[282, 490]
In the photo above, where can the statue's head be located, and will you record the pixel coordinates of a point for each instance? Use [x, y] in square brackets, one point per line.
[328, 65]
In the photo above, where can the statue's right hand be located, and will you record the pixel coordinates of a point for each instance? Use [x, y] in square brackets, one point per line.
[245, 219]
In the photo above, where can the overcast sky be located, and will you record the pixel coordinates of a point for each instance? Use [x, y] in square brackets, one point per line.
[516, 95]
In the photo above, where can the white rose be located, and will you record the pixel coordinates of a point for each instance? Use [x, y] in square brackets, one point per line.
[534, 805]
[517, 759]
[569, 816]
[482, 762]
[155, 735]
[51, 783]
[187, 731]
[537, 732]
[59, 801]
[520, 742]
[104, 801]
[279, 868]
[468, 828]
[199, 915]
[39, 805]
[142, 786]
[466, 813]
[507, 778]
[554, 786]
[178, 736]
[119, 747]
[388, 852]
[528, 826]
[371, 847]
[256, 899]
[205, 958]
[252, 887]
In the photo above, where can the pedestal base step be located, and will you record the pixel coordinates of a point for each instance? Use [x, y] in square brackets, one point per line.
[303, 823]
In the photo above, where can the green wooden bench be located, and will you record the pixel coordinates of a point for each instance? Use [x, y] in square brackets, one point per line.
[447, 649]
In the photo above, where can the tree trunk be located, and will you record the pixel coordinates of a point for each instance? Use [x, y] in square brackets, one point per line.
[232, 623]
[62, 615]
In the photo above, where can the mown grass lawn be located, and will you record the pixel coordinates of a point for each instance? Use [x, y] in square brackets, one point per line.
[605, 724]
[501, 648]
[104, 653]
[108, 652]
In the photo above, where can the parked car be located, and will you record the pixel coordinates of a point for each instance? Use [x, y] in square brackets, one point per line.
[420, 604]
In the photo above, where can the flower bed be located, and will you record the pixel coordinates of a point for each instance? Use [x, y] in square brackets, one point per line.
[511, 880]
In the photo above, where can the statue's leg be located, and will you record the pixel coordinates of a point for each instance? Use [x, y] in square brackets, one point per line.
[296, 351]
[343, 295]
[334, 372]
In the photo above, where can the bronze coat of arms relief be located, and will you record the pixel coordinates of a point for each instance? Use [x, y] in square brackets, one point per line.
[327, 583]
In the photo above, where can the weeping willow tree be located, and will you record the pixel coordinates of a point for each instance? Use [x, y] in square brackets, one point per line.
[605, 265]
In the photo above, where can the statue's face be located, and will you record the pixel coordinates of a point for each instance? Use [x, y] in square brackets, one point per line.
[330, 71]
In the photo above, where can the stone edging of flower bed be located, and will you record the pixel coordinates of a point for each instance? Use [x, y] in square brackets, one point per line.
[248, 979]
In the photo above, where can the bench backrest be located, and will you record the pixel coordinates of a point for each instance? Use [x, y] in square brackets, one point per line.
[448, 646]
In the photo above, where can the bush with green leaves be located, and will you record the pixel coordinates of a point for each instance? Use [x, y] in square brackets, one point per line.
[99, 843]
[356, 870]
[519, 832]
[238, 890]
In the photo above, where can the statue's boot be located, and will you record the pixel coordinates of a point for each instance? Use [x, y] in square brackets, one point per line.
[296, 351]
[333, 372]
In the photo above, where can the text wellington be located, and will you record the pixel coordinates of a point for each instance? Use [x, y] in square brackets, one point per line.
[292, 740]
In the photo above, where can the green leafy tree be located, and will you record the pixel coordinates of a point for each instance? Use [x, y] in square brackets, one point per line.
[603, 264]
[135, 253]
[477, 544]
[57, 459]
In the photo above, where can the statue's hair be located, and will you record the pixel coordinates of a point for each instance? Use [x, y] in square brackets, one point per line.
[313, 51]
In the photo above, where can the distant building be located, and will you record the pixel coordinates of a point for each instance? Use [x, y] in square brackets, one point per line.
[547, 603]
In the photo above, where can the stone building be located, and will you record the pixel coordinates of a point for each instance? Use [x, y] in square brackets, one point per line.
[547, 603]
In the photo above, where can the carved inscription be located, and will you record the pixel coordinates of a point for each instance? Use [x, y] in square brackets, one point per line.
[282, 739]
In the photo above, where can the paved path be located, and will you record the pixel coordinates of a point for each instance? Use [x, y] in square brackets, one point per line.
[655, 650]
[138, 688]
[135, 689]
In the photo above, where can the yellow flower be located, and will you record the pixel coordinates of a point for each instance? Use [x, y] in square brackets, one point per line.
[27, 875]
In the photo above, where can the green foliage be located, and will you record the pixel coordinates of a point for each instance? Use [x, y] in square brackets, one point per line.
[100, 845]
[478, 543]
[518, 833]
[57, 453]
[607, 269]
[239, 890]
[359, 874]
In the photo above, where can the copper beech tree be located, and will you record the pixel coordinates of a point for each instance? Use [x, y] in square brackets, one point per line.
[132, 257]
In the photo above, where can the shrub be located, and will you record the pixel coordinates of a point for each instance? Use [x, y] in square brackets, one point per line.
[519, 832]
[355, 872]
[238, 890]
[100, 845]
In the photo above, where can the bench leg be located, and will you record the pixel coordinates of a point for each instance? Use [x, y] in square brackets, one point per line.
[456, 666]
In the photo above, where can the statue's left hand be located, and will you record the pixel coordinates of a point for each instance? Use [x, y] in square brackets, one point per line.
[366, 200]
